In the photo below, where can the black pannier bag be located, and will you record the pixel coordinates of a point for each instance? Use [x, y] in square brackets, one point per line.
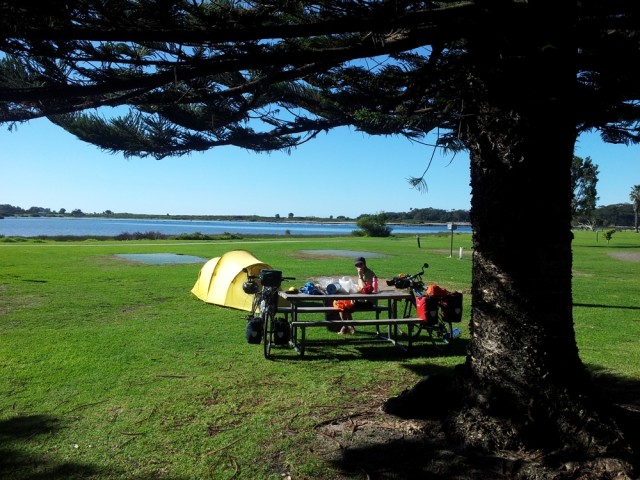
[270, 278]
[254, 330]
[281, 331]
[451, 307]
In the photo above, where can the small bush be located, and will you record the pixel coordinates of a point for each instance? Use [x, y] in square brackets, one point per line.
[150, 235]
[374, 225]
[608, 234]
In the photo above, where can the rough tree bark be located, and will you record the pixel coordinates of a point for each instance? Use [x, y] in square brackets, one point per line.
[523, 385]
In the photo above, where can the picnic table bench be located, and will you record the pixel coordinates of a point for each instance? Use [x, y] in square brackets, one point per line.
[328, 309]
[384, 301]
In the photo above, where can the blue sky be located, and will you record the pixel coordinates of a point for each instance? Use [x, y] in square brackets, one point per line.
[340, 173]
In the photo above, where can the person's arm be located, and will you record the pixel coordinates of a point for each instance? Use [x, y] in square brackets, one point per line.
[366, 278]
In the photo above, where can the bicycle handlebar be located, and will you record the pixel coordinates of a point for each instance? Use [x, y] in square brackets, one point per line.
[408, 281]
[257, 277]
[420, 273]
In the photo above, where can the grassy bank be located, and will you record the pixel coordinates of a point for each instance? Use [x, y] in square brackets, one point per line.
[111, 369]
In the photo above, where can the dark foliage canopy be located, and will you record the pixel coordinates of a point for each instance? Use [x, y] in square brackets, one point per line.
[168, 77]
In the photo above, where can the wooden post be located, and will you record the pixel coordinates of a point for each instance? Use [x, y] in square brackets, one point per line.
[451, 226]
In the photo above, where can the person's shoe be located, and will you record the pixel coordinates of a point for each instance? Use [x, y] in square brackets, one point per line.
[342, 331]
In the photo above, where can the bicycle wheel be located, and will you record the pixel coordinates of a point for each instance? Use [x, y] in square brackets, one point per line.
[408, 313]
[429, 311]
[255, 304]
[451, 334]
[268, 319]
[442, 335]
[435, 335]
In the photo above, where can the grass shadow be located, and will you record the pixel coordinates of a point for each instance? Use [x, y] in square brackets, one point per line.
[17, 462]
[16, 433]
[599, 305]
[610, 246]
[420, 449]
[371, 349]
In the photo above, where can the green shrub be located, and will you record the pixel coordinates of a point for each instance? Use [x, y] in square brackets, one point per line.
[608, 234]
[374, 225]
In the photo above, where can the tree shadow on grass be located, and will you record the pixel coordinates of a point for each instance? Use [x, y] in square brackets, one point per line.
[366, 345]
[386, 447]
[17, 463]
[624, 394]
[598, 305]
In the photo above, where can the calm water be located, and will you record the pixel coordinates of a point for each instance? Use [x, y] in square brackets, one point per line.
[37, 226]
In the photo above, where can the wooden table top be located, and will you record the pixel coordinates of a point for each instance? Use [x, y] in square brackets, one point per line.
[381, 295]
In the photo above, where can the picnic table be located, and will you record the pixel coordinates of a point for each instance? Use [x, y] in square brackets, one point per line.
[383, 302]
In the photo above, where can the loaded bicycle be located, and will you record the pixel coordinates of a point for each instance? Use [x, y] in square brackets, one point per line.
[262, 323]
[438, 308]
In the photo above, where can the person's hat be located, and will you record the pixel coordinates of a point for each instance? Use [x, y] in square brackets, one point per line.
[359, 260]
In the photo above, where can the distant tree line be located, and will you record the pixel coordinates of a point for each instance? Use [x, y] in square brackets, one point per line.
[7, 210]
[428, 215]
[618, 215]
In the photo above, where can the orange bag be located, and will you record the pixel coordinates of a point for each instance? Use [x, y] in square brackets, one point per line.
[343, 305]
[434, 290]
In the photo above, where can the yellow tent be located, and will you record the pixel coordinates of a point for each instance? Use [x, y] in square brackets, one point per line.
[220, 279]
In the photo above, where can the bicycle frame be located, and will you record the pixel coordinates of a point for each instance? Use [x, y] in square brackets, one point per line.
[265, 308]
[439, 329]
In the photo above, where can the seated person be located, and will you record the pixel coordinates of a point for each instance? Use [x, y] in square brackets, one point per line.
[365, 284]
[365, 275]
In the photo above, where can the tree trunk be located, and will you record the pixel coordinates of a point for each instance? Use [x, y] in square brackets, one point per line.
[523, 383]
[523, 362]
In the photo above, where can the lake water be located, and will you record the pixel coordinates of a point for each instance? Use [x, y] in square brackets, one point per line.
[111, 227]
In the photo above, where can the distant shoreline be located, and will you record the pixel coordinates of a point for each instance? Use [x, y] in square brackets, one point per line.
[153, 227]
[234, 218]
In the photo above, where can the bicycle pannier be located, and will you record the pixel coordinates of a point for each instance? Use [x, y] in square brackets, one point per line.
[451, 305]
[281, 331]
[254, 330]
[270, 278]
[427, 308]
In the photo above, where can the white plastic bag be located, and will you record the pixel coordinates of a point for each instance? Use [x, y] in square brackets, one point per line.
[347, 285]
[326, 281]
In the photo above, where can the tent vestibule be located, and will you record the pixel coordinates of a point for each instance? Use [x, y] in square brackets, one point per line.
[220, 279]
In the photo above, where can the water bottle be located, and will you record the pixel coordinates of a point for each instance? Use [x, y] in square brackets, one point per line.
[332, 288]
[455, 333]
[375, 284]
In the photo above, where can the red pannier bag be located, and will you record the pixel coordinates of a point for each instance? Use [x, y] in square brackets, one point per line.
[427, 308]
[451, 307]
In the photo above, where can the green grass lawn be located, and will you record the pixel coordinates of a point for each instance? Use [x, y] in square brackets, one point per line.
[113, 369]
